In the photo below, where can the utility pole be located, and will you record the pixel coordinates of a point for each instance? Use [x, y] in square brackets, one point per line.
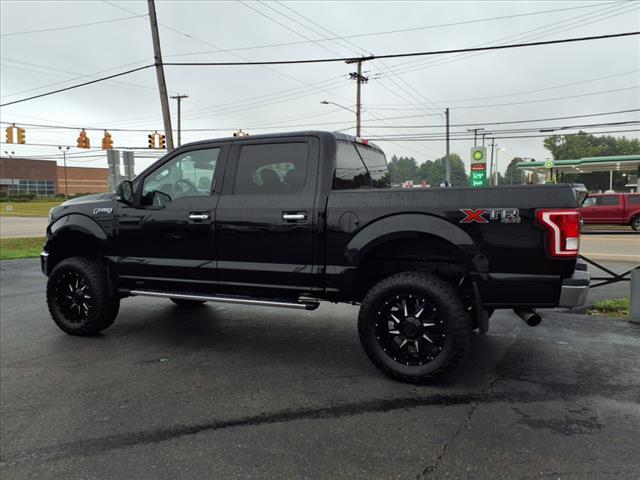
[357, 76]
[64, 151]
[179, 99]
[475, 135]
[492, 144]
[447, 160]
[162, 86]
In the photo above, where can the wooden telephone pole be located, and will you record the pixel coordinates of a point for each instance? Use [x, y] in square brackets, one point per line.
[162, 86]
[179, 98]
[357, 76]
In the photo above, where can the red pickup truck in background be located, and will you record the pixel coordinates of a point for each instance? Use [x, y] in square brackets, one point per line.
[612, 208]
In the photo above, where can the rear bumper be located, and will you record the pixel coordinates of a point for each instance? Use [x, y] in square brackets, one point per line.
[575, 289]
[44, 262]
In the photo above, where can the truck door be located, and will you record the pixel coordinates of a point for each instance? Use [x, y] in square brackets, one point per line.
[610, 209]
[267, 221]
[589, 211]
[169, 234]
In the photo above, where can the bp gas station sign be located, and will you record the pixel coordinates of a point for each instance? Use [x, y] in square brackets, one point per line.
[478, 176]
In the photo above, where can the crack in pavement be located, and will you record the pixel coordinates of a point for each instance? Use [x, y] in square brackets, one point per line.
[93, 446]
[489, 390]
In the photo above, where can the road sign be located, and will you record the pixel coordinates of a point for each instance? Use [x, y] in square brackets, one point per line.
[478, 174]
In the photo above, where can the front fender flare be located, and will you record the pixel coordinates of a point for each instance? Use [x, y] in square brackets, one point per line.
[76, 223]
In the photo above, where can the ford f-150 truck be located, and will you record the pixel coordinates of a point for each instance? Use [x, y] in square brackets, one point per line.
[291, 219]
[612, 209]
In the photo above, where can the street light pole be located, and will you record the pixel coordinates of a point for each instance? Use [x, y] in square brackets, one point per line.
[64, 156]
[179, 99]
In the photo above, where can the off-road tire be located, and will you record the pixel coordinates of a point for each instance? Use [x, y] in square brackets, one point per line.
[101, 304]
[454, 326]
[184, 302]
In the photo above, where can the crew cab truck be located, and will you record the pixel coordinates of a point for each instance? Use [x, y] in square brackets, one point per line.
[612, 209]
[291, 219]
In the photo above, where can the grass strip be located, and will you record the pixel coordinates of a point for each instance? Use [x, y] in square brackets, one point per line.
[12, 248]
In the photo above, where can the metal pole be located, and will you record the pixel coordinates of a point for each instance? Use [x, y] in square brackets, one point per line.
[179, 99]
[447, 160]
[610, 179]
[358, 88]
[634, 312]
[496, 169]
[491, 162]
[66, 183]
[162, 86]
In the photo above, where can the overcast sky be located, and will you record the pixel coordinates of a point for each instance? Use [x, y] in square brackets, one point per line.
[479, 88]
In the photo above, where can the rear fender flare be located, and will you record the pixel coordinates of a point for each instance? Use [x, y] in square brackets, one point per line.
[409, 226]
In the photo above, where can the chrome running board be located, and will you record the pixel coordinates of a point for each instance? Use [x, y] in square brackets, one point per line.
[302, 305]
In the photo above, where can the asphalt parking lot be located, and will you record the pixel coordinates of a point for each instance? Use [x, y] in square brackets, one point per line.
[240, 392]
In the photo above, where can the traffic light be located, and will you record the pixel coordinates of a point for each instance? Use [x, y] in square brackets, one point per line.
[21, 136]
[161, 142]
[9, 131]
[83, 140]
[107, 141]
[152, 140]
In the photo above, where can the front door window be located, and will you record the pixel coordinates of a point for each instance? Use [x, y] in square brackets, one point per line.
[189, 174]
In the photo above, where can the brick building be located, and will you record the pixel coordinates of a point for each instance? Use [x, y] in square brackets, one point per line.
[45, 178]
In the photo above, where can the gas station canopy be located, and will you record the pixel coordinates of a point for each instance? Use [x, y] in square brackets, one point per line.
[616, 163]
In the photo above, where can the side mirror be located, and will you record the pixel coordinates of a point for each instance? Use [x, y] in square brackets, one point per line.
[125, 192]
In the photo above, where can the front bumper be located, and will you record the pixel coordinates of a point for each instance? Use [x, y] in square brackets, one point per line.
[44, 262]
[575, 289]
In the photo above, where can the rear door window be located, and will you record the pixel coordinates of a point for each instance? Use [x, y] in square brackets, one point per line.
[634, 199]
[359, 166]
[608, 200]
[272, 169]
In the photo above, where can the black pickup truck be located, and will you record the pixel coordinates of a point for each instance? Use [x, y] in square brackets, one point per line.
[290, 219]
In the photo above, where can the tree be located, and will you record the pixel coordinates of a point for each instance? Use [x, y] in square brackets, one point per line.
[568, 147]
[513, 176]
[434, 172]
[582, 144]
[402, 169]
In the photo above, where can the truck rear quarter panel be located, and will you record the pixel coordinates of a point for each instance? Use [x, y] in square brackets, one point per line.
[502, 256]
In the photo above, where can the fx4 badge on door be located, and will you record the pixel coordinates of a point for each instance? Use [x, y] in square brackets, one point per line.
[484, 215]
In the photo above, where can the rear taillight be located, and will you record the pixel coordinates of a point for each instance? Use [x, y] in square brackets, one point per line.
[563, 229]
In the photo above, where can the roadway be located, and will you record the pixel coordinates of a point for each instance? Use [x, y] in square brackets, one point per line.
[18, 227]
[226, 391]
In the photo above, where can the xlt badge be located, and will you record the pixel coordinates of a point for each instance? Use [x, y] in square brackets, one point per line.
[484, 215]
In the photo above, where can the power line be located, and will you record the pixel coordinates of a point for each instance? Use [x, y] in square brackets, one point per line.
[102, 79]
[327, 60]
[387, 32]
[409, 54]
[497, 137]
[514, 121]
[391, 107]
[55, 29]
[562, 26]
[258, 127]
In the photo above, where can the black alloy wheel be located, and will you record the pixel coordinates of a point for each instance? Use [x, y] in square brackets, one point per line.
[410, 330]
[73, 295]
[413, 326]
[79, 297]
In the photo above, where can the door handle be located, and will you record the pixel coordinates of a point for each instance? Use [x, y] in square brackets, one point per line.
[199, 217]
[294, 216]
